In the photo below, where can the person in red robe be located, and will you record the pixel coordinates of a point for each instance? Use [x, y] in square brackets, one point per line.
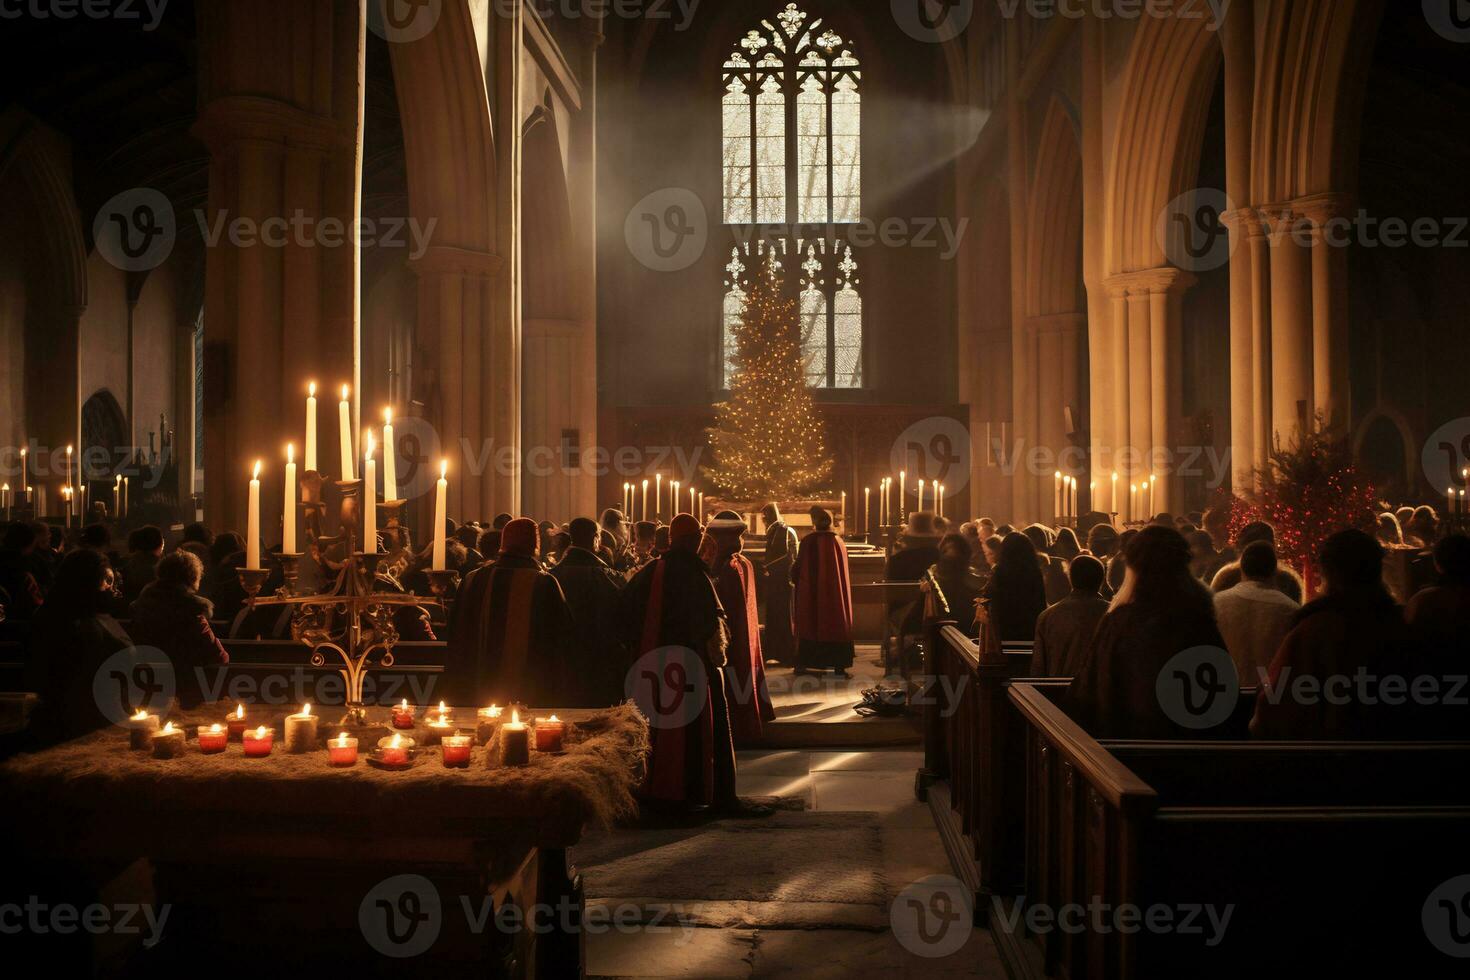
[823, 602]
[510, 629]
[745, 670]
[676, 627]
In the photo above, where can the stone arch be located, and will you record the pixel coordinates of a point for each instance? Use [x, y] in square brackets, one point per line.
[1388, 419]
[1165, 101]
[546, 232]
[1054, 225]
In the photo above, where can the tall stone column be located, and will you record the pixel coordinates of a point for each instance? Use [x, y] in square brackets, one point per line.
[1330, 341]
[1237, 38]
[1260, 312]
[284, 135]
[1288, 235]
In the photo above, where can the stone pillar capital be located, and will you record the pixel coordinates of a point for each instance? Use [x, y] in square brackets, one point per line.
[440, 260]
[1322, 208]
[1149, 282]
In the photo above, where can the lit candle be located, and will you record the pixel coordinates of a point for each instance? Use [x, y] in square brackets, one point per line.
[301, 731]
[66, 496]
[390, 458]
[1132, 499]
[1057, 495]
[691, 500]
[311, 427]
[141, 727]
[68, 465]
[235, 723]
[5, 496]
[1152, 484]
[25, 478]
[252, 522]
[515, 741]
[673, 497]
[1450, 501]
[402, 715]
[487, 720]
[903, 496]
[645, 500]
[370, 499]
[658, 495]
[212, 740]
[442, 712]
[700, 513]
[125, 496]
[867, 510]
[342, 751]
[843, 512]
[288, 514]
[1113, 497]
[395, 752]
[257, 742]
[344, 411]
[457, 751]
[438, 728]
[627, 499]
[1072, 504]
[441, 504]
[117, 496]
[549, 732]
[168, 742]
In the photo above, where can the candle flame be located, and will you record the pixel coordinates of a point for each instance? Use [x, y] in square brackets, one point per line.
[290, 452]
[215, 729]
[345, 390]
[142, 715]
[306, 708]
[68, 450]
[168, 729]
[515, 717]
[397, 742]
[342, 740]
[371, 444]
[256, 475]
[553, 718]
[388, 415]
[443, 468]
[311, 390]
[645, 484]
[260, 732]
[239, 711]
[403, 705]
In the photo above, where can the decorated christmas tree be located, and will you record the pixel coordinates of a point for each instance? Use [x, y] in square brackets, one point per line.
[1308, 491]
[767, 441]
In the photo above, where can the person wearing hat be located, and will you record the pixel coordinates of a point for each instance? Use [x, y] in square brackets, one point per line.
[919, 549]
[823, 606]
[745, 670]
[676, 631]
[779, 642]
[594, 595]
[510, 629]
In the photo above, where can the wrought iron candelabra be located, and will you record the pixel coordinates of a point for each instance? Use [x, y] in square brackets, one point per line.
[348, 620]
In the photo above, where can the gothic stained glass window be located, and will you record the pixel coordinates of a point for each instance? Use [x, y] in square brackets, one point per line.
[792, 153]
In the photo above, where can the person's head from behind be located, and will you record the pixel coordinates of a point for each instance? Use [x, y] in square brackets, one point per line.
[985, 528]
[520, 538]
[1201, 545]
[822, 518]
[684, 534]
[990, 549]
[1351, 560]
[82, 585]
[1258, 562]
[467, 535]
[954, 551]
[500, 521]
[583, 533]
[146, 540]
[770, 513]
[488, 543]
[1038, 536]
[1102, 541]
[1255, 531]
[644, 533]
[1066, 545]
[182, 570]
[661, 539]
[1015, 550]
[1216, 521]
[225, 544]
[97, 537]
[1086, 574]
[1452, 559]
[199, 532]
[19, 538]
[1158, 561]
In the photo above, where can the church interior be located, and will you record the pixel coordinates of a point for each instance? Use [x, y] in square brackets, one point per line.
[697, 488]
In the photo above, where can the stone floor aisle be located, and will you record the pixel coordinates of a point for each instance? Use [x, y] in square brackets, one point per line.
[875, 781]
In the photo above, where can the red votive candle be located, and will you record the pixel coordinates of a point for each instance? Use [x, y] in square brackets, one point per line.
[236, 722]
[549, 732]
[457, 751]
[212, 740]
[395, 753]
[402, 715]
[342, 751]
[258, 741]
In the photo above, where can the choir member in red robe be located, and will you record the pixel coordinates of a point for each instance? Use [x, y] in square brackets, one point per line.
[672, 612]
[823, 605]
[745, 671]
[510, 629]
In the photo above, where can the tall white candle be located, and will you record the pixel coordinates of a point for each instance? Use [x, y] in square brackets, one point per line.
[1132, 500]
[1113, 497]
[390, 461]
[939, 499]
[345, 415]
[370, 499]
[867, 510]
[252, 522]
[691, 500]
[903, 497]
[921, 495]
[843, 512]
[645, 500]
[25, 478]
[441, 505]
[288, 511]
[125, 496]
[117, 496]
[311, 427]
[673, 498]
[658, 495]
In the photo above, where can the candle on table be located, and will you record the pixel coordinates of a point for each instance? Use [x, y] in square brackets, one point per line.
[487, 720]
[402, 715]
[457, 751]
[370, 499]
[68, 466]
[438, 728]
[168, 742]
[442, 712]
[441, 503]
[549, 732]
[867, 510]
[301, 731]
[515, 741]
[390, 458]
[212, 740]
[66, 496]
[311, 427]
[257, 742]
[236, 722]
[252, 522]
[344, 413]
[288, 513]
[395, 753]
[342, 751]
[141, 727]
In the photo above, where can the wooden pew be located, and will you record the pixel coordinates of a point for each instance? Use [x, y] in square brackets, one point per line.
[871, 602]
[1323, 853]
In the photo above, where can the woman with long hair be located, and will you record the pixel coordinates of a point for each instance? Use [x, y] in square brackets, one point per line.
[1160, 611]
[1016, 595]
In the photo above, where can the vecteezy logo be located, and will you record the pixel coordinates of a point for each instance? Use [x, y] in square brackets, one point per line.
[138, 678]
[401, 916]
[669, 685]
[135, 231]
[933, 21]
[1449, 18]
[403, 21]
[1192, 230]
[933, 917]
[418, 451]
[667, 230]
[1446, 917]
[937, 450]
[1446, 456]
[1198, 688]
